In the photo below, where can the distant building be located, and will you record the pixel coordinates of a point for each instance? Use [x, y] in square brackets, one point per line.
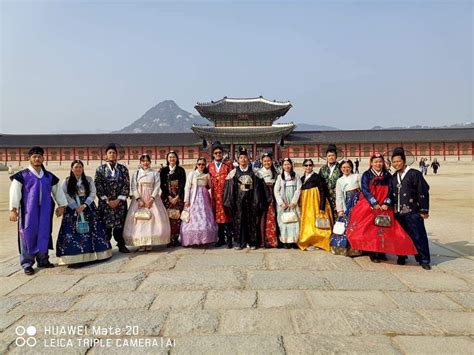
[246, 122]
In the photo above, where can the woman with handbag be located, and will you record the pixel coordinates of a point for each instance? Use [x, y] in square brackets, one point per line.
[372, 226]
[82, 236]
[287, 193]
[316, 214]
[173, 180]
[268, 221]
[147, 222]
[198, 225]
[347, 195]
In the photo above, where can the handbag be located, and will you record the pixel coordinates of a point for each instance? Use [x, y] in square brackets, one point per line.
[383, 220]
[323, 223]
[339, 227]
[289, 217]
[142, 214]
[82, 226]
[185, 216]
[173, 213]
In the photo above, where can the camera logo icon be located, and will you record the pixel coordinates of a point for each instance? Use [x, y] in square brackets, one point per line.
[25, 336]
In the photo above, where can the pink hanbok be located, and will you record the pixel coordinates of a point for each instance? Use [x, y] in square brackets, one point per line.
[201, 227]
[155, 231]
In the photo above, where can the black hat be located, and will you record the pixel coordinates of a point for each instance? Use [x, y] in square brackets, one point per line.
[217, 145]
[112, 146]
[35, 150]
[242, 151]
[323, 152]
[331, 149]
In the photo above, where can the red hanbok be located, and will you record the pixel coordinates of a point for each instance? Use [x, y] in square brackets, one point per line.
[218, 176]
[362, 232]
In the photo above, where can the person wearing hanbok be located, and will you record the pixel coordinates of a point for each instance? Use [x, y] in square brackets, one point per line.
[375, 200]
[72, 245]
[219, 168]
[330, 172]
[245, 199]
[33, 192]
[145, 187]
[173, 180]
[314, 205]
[268, 223]
[287, 193]
[112, 182]
[411, 200]
[347, 195]
[200, 227]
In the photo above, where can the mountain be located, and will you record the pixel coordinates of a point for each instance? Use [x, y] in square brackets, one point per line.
[456, 125]
[166, 117]
[314, 127]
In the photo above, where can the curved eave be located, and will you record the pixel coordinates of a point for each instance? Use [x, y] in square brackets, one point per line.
[242, 132]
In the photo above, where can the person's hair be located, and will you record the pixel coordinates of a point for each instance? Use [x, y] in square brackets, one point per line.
[205, 171]
[307, 160]
[348, 161]
[292, 171]
[399, 152]
[272, 167]
[176, 155]
[72, 181]
[146, 157]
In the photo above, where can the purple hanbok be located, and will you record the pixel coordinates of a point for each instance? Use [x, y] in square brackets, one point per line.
[201, 227]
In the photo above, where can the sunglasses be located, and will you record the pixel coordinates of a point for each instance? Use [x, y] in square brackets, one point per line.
[201, 164]
[308, 165]
[217, 152]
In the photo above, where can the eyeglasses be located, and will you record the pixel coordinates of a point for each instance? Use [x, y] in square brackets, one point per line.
[217, 152]
[308, 165]
[201, 164]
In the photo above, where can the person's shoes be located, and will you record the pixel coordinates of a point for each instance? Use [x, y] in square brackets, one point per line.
[374, 259]
[47, 265]
[382, 257]
[426, 266]
[238, 247]
[123, 249]
[287, 246]
[219, 244]
[141, 249]
[29, 270]
[253, 247]
[401, 260]
[149, 248]
[311, 248]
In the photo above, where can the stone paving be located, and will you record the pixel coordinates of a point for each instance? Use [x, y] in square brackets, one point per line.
[219, 301]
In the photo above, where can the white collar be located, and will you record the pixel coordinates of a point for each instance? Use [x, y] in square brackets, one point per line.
[38, 175]
[400, 177]
[246, 169]
[172, 168]
[287, 176]
[376, 173]
[307, 176]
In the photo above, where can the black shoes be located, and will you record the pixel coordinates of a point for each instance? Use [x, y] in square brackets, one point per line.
[29, 270]
[46, 265]
[219, 244]
[425, 266]
[401, 260]
[123, 249]
[374, 259]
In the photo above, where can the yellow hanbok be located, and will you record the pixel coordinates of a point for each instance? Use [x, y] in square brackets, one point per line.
[312, 200]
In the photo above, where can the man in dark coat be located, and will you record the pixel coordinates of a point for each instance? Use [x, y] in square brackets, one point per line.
[244, 198]
[411, 198]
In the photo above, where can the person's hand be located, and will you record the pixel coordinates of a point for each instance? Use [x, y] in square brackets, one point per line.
[384, 207]
[80, 209]
[170, 199]
[284, 206]
[321, 212]
[59, 211]
[186, 204]
[114, 203]
[149, 203]
[340, 213]
[292, 205]
[141, 204]
[14, 215]
[424, 215]
[377, 207]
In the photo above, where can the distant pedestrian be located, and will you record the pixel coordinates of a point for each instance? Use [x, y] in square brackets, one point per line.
[356, 165]
[435, 166]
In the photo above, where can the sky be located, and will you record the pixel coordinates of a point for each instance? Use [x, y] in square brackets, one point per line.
[99, 65]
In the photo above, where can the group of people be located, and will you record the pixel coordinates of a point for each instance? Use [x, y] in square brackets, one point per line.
[424, 165]
[335, 209]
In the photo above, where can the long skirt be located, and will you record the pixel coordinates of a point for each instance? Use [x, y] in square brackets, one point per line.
[201, 228]
[155, 231]
[73, 247]
[339, 243]
[364, 235]
[289, 232]
[310, 235]
[268, 223]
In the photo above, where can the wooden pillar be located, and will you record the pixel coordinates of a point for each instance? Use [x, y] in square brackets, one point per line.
[254, 151]
[360, 152]
[231, 157]
[19, 156]
[429, 147]
[88, 155]
[444, 151]
[416, 152]
[182, 154]
[47, 155]
[304, 151]
[319, 151]
[127, 151]
[6, 156]
[345, 151]
[387, 149]
[275, 151]
[156, 154]
[459, 152]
